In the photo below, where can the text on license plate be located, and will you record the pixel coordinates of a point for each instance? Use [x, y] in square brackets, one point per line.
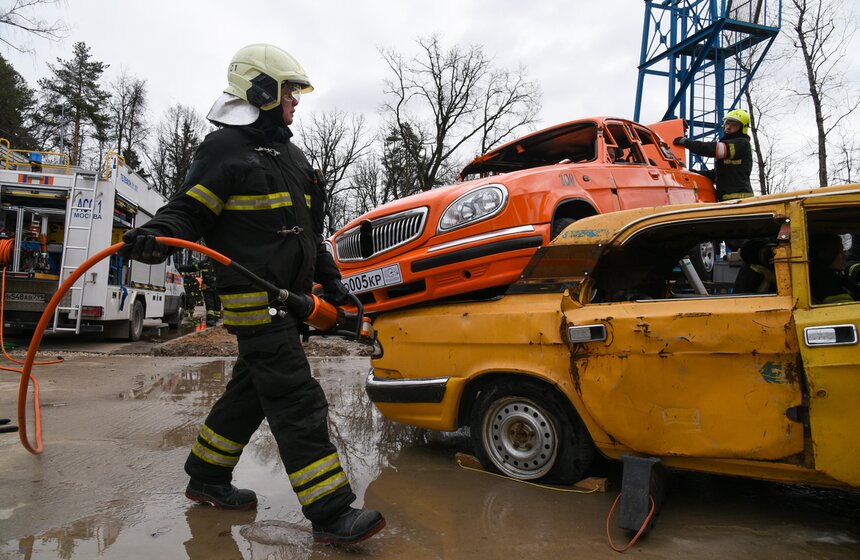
[26, 297]
[388, 275]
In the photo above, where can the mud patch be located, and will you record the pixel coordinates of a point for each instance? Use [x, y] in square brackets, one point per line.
[218, 342]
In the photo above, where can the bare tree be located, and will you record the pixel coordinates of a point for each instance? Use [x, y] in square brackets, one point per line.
[386, 174]
[774, 170]
[779, 170]
[443, 99]
[20, 16]
[510, 103]
[368, 187]
[129, 128]
[847, 157]
[334, 142]
[177, 137]
[822, 36]
[758, 150]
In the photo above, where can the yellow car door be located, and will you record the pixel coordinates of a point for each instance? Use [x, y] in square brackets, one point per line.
[683, 374]
[828, 334]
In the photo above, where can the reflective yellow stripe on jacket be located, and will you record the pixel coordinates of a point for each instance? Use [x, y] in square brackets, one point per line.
[207, 198]
[259, 202]
[839, 298]
[262, 201]
[245, 202]
[768, 280]
[246, 309]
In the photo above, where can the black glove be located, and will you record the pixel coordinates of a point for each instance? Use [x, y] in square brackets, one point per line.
[681, 141]
[140, 245]
[335, 292]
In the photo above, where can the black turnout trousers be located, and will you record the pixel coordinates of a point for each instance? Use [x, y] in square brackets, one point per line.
[272, 380]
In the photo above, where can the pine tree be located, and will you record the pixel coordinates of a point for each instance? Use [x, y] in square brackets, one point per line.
[15, 104]
[74, 96]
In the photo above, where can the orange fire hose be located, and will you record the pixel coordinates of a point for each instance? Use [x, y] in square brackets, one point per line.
[43, 324]
[312, 305]
[6, 246]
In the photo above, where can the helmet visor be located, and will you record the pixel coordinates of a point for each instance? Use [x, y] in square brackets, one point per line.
[292, 90]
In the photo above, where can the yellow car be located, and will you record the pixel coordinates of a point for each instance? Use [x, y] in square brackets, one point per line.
[610, 341]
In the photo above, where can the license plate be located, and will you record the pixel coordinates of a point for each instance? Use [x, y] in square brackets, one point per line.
[388, 275]
[26, 297]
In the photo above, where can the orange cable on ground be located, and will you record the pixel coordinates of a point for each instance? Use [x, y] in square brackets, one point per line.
[641, 529]
[26, 375]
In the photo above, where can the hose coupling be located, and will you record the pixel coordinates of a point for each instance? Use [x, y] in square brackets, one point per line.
[275, 312]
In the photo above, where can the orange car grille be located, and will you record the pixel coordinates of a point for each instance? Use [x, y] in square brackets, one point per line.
[374, 237]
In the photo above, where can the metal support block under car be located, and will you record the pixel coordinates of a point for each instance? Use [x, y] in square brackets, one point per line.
[642, 481]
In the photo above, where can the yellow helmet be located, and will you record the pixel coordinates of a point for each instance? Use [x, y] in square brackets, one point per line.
[258, 71]
[738, 115]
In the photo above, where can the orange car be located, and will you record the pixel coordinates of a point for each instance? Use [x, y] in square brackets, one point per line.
[473, 238]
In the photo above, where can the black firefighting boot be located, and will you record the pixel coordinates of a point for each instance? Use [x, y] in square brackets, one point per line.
[350, 527]
[222, 496]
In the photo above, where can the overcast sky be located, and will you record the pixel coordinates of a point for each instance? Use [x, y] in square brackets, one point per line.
[182, 47]
[584, 54]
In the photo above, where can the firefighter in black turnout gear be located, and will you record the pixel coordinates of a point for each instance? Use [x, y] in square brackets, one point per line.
[211, 300]
[733, 154]
[252, 195]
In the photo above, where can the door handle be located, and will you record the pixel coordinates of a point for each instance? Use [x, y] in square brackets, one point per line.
[586, 333]
[654, 174]
[830, 335]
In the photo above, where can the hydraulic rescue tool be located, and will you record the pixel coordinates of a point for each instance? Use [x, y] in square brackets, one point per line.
[324, 317]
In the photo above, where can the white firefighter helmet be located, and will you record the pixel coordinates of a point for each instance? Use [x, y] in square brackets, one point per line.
[257, 73]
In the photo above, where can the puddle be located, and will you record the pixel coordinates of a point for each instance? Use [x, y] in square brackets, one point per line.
[116, 493]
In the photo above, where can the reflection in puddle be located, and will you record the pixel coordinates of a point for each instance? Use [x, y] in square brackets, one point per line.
[86, 537]
[364, 438]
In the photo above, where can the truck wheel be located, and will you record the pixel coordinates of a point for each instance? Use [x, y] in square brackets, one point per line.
[523, 431]
[135, 324]
[173, 321]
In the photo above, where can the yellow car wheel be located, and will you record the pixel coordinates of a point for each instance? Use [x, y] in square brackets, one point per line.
[521, 430]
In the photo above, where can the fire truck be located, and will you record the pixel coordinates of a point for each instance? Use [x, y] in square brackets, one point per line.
[53, 217]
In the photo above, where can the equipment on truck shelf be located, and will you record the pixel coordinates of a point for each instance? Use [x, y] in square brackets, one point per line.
[49, 221]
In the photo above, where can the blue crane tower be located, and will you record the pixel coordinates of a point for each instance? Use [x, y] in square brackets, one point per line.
[707, 51]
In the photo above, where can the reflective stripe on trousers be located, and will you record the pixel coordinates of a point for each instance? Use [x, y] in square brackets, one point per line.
[216, 449]
[318, 479]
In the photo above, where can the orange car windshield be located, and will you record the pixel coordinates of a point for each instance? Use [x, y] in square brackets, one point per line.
[574, 143]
